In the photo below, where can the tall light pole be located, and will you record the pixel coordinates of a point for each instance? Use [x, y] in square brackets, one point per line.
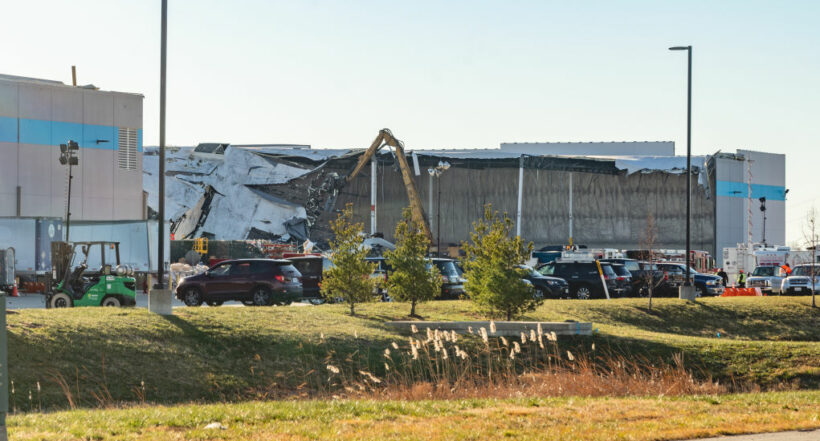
[161, 233]
[688, 49]
[437, 171]
[68, 156]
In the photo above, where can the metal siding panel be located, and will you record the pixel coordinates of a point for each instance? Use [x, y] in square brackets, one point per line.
[67, 105]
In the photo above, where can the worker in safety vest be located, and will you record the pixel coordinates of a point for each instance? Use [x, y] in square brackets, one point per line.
[741, 279]
[787, 269]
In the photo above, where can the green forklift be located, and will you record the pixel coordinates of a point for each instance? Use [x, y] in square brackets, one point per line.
[77, 286]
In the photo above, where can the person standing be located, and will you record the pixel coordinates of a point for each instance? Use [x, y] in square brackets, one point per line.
[741, 279]
[722, 274]
[787, 269]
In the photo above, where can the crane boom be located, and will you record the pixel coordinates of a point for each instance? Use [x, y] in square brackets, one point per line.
[385, 137]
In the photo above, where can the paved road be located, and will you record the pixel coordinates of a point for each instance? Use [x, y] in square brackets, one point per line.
[777, 436]
[37, 301]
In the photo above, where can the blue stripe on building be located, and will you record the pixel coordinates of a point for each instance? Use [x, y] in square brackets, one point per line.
[741, 190]
[54, 133]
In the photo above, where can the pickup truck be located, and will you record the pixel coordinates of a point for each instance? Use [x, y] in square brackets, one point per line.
[799, 282]
[768, 278]
[663, 283]
[705, 284]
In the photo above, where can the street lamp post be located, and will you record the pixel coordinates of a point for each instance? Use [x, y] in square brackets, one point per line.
[437, 171]
[687, 258]
[68, 156]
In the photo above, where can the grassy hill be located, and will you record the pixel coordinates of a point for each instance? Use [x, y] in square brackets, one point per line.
[96, 356]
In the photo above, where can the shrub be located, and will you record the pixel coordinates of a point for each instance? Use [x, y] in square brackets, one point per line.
[349, 279]
[494, 281]
[410, 280]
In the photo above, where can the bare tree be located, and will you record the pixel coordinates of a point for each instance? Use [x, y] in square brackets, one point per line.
[647, 245]
[810, 238]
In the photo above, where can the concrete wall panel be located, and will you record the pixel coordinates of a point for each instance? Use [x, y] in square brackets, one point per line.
[67, 105]
[98, 108]
[8, 204]
[8, 168]
[128, 111]
[8, 99]
[35, 102]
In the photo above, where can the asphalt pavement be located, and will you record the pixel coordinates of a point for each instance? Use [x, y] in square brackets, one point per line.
[37, 301]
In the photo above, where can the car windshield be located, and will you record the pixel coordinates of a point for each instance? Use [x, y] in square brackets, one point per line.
[608, 271]
[546, 270]
[764, 271]
[447, 268]
[805, 271]
[530, 271]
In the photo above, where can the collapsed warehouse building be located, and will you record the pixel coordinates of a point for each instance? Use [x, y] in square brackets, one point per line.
[290, 193]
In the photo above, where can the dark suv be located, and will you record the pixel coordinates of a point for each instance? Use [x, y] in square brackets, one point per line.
[258, 282]
[582, 277]
[452, 284]
[546, 286]
[311, 268]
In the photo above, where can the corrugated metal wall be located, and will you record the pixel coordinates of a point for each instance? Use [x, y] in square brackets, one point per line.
[609, 210]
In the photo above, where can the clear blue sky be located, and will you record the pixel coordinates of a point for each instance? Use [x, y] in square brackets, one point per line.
[466, 74]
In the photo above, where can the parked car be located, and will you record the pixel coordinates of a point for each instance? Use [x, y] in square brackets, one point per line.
[705, 284]
[639, 275]
[258, 282]
[546, 286]
[452, 282]
[623, 279]
[799, 282]
[768, 278]
[582, 277]
[311, 268]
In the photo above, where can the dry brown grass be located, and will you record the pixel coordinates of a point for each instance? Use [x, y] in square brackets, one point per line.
[442, 365]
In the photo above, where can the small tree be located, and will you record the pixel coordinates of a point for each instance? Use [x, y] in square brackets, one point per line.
[349, 278]
[648, 241]
[410, 280]
[494, 280]
[810, 236]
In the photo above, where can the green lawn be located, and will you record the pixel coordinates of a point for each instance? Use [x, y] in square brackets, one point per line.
[100, 356]
[604, 419]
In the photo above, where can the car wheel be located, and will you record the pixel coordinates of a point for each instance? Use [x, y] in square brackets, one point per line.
[261, 296]
[583, 293]
[214, 303]
[192, 297]
[538, 294]
[111, 301]
[700, 291]
[61, 300]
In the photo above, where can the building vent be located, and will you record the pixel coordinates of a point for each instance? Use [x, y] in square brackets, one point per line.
[128, 149]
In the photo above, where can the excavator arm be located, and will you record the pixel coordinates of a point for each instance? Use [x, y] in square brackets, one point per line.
[386, 138]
